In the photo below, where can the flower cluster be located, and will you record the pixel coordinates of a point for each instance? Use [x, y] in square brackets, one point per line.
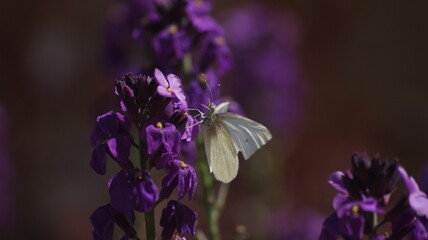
[174, 36]
[157, 108]
[364, 196]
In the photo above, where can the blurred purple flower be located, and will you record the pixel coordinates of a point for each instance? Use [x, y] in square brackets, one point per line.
[110, 135]
[103, 220]
[288, 225]
[165, 34]
[198, 12]
[266, 54]
[177, 216]
[181, 175]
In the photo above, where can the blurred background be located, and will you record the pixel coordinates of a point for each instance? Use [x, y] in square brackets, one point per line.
[328, 77]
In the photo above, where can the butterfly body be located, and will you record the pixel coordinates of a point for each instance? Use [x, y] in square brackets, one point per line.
[225, 135]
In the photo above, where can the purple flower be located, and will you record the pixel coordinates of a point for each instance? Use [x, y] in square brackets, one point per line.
[349, 220]
[421, 229]
[191, 130]
[163, 143]
[417, 199]
[103, 220]
[172, 41]
[169, 87]
[214, 51]
[181, 175]
[129, 191]
[368, 178]
[376, 178]
[110, 135]
[177, 216]
[198, 12]
[134, 93]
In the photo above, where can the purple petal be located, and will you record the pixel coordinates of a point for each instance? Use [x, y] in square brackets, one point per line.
[163, 91]
[148, 194]
[108, 123]
[153, 138]
[171, 138]
[410, 183]
[336, 180]
[122, 196]
[160, 78]
[339, 200]
[103, 222]
[120, 147]
[99, 159]
[419, 203]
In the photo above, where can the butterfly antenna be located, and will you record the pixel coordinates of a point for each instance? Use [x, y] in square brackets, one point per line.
[205, 106]
[204, 79]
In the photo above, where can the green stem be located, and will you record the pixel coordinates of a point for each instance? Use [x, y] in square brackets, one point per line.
[212, 206]
[149, 216]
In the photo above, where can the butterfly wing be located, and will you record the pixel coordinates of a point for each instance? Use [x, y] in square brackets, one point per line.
[247, 135]
[221, 152]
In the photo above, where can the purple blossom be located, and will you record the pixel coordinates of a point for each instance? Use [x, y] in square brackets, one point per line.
[169, 87]
[134, 92]
[172, 41]
[349, 220]
[368, 178]
[163, 143]
[110, 135]
[103, 220]
[129, 191]
[198, 12]
[177, 216]
[214, 51]
[181, 175]
[417, 199]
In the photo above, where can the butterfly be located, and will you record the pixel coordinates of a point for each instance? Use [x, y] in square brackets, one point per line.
[225, 135]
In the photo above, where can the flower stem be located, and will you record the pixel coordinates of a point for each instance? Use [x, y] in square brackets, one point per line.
[212, 206]
[149, 216]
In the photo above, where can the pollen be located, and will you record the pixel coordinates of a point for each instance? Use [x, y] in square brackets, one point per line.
[138, 176]
[173, 29]
[159, 125]
[202, 78]
[169, 89]
[219, 41]
[355, 209]
[183, 165]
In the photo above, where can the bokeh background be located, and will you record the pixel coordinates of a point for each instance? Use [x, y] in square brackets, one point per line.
[344, 76]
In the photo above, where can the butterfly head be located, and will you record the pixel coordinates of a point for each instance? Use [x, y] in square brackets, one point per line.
[209, 115]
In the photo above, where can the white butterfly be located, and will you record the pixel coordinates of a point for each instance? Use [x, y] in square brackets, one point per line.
[225, 135]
